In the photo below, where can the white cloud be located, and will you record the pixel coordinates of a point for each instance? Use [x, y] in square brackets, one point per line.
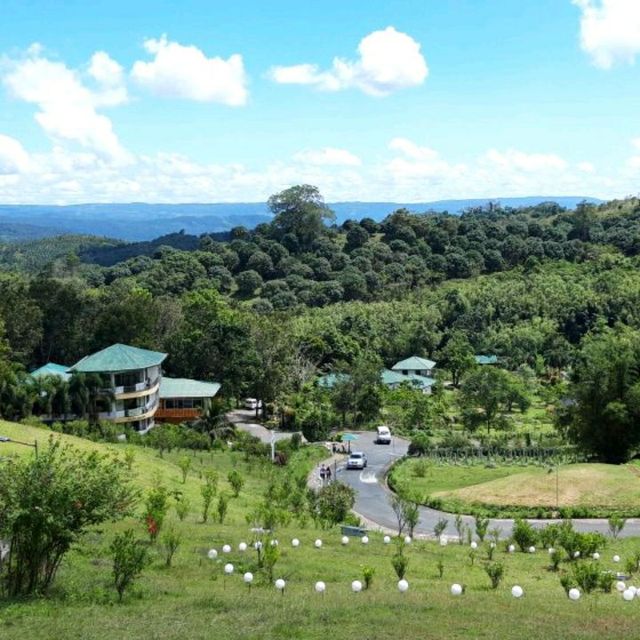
[610, 30]
[67, 108]
[179, 71]
[388, 60]
[13, 157]
[329, 156]
[415, 162]
[514, 160]
[586, 167]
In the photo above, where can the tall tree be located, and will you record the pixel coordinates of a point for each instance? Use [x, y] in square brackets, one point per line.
[301, 212]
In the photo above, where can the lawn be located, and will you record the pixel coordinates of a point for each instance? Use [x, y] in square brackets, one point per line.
[585, 485]
[194, 600]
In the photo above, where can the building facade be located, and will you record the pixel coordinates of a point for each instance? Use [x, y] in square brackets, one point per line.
[184, 400]
[132, 379]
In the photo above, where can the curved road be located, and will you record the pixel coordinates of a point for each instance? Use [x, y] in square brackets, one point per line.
[372, 495]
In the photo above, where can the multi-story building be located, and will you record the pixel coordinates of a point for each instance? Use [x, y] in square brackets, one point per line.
[132, 378]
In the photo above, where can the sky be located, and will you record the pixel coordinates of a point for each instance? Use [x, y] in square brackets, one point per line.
[383, 100]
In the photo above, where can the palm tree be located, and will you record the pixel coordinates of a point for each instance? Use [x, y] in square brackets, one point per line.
[86, 390]
[215, 423]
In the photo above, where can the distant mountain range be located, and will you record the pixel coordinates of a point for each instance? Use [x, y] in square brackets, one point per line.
[142, 221]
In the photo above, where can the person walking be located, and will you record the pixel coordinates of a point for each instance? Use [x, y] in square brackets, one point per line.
[323, 474]
[328, 474]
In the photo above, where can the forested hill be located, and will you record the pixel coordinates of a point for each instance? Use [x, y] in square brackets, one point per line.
[144, 221]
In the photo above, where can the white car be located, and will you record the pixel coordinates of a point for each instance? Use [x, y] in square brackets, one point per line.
[357, 460]
[384, 435]
[252, 403]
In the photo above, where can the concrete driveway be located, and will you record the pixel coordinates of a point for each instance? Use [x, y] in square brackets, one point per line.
[245, 420]
[372, 494]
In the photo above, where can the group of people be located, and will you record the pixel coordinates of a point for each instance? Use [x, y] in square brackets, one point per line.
[325, 474]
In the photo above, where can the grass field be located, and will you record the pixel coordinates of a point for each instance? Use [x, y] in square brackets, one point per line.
[591, 485]
[194, 600]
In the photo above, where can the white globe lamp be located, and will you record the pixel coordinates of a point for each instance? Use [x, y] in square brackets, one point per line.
[574, 594]
[212, 554]
[628, 595]
[318, 543]
[365, 539]
[356, 586]
[242, 546]
[345, 540]
[226, 548]
[456, 589]
[228, 569]
[517, 591]
[386, 539]
[295, 543]
[320, 587]
[403, 585]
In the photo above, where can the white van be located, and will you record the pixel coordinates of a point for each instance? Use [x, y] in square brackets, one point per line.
[252, 403]
[384, 435]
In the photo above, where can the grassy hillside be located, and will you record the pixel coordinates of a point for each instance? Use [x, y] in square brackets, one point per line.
[194, 600]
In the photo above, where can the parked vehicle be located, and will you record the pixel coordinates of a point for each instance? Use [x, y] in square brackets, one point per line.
[252, 403]
[384, 435]
[357, 460]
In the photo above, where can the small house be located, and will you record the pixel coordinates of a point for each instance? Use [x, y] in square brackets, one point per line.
[415, 366]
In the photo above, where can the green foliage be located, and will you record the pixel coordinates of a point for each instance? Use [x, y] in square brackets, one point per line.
[524, 535]
[185, 465]
[482, 525]
[367, 576]
[129, 559]
[156, 508]
[182, 506]
[171, 540]
[208, 491]
[236, 481]
[616, 525]
[587, 575]
[333, 502]
[495, 571]
[400, 563]
[48, 502]
[440, 527]
[222, 507]
[270, 556]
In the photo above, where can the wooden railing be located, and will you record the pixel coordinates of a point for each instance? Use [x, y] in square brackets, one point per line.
[178, 414]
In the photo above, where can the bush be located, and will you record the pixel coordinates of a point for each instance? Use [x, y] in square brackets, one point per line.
[555, 558]
[616, 525]
[333, 502]
[367, 576]
[185, 465]
[223, 505]
[587, 576]
[495, 571]
[48, 502]
[208, 491]
[236, 481]
[482, 524]
[606, 580]
[129, 559]
[157, 505]
[440, 527]
[549, 535]
[524, 535]
[182, 507]
[171, 541]
[420, 445]
[400, 563]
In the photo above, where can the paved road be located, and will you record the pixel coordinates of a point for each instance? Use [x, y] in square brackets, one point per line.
[245, 420]
[372, 494]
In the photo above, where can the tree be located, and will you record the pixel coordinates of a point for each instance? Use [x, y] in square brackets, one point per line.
[129, 559]
[87, 392]
[248, 282]
[208, 491]
[485, 395]
[333, 502]
[605, 420]
[46, 504]
[457, 356]
[301, 212]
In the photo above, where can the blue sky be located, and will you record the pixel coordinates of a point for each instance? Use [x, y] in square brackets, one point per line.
[401, 100]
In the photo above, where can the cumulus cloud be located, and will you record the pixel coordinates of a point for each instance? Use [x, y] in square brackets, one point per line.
[13, 157]
[67, 107]
[388, 60]
[610, 30]
[329, 156]
[179, 71]
[514, 160]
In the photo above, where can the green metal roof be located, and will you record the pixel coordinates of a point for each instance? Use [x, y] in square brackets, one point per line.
[330, 380]
[119, 357]
[486, 359]
[393, 377]
[414, 363]
[52, 369]
[185, 388]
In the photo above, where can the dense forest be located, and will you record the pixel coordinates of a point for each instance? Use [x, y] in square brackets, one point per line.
[552, 292]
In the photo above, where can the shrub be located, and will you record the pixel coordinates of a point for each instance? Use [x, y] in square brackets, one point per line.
[587, 575]
[495, 571]
[616, 525]
[606, 580]
[549, 535]
[270, 556]
[460, 528]
[171, 541]
[157, 505]
[400, 563]
[440, 566]
[367, 576]
[411, 515]
[420, 445]
[555, 558]
[420, 468]
[440, 527]
[223, 506]
[236, 481]
[208, 491]
[482, 524]
[567, 583]
[182, 507]
[185, 465]
[129, 559]
[47, 502]
[524, 535]
[332, 503]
